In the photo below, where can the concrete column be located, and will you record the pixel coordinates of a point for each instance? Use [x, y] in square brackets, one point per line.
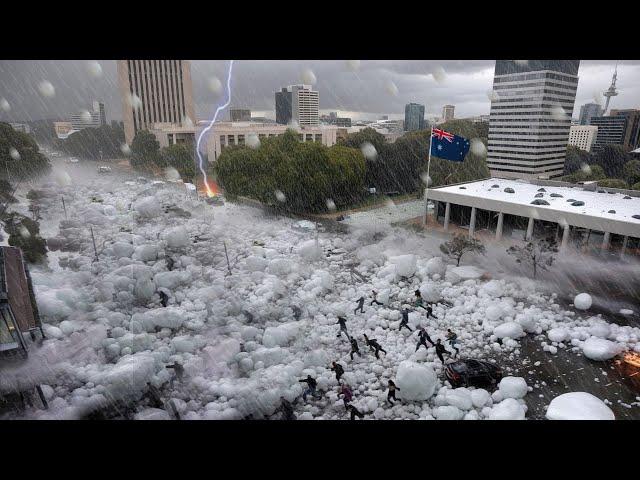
[472, 222]
[447, 215]
[529, 229]
[499, 226]
[565, 236]
[624, 246]
[606, 241]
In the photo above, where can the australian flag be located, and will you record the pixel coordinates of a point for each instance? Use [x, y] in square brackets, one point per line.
[448, 146]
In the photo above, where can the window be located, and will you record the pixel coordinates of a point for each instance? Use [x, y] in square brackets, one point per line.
[9, 336]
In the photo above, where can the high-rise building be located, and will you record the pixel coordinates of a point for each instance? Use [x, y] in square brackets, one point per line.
[583, 136]
[589, 110]
[240, 115]
[447, 112]
[86, 119]
[283, 106]
[98, 107]
[620, 127]
[21, 127]
[413, 117]
[155, 91]
[531, 109]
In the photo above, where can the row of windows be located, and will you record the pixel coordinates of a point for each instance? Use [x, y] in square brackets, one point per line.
[572, 88]
[228, 140]
[534, 76]
[502, 159]
[538, 92]
[526, 140]
[528, 164]
[535, 105]
[520, 171]
[525, 113]
[533, 99]
[524, 149]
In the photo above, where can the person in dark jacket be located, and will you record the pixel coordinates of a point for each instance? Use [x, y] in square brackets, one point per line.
[374, 346]
[360, 306]
[392, 391]
[440, 350]
[337, 368]
[311, 387]
[430, 312]
[170, 263]
[375, 298]
[286, 408]
[297, 312]
[452, 338]
[354, 412]
[343, 327]
[419, 301]
[347, 394]
[164, 298]
[354, 348]
[405, 320]
[423, 338]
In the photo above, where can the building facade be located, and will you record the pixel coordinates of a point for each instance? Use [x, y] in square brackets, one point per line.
[226, 134]
[448, 112]
[305, 105]
[169, 134]
[587, 111]
[583, 136]
[155, 91]
[95, 118]
[240, 115]
[283, 107]
[414, 117]
[631, 138]
[530, 117]
[63, 129]
[21, 127]
[611, 130]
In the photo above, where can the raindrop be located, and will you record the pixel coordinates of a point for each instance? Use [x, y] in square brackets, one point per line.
[4, 105]
[85, 116]
[94, 68]
[493, 96]
[24, 233]
[134, 101]
[62, 178]
[478, 148]
[597, 97]
[353, 65]
[586, 168]
[252, 141]
[331, 205]
[308, 77]
[215, 85]
[46, 89]
[171, 174]
[439, 75]
[125, 149]
[522, 63]
[558, 113]
[187, 122]
[369, 151]
[293, 124]
[426, 179]
[15, 154]
[389, 203]
[281, 197]
[391, 88]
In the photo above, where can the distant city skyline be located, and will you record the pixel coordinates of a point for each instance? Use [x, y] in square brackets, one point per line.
[361, 90]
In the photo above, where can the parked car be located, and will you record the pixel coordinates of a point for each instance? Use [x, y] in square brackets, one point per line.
[104, 169]
[473, 373]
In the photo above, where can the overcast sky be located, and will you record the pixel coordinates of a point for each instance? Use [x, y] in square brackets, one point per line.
[353, 88]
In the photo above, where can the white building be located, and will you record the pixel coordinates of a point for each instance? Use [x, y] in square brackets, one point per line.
[224, 134]
[583, 136]
[21, 127]
[305, 104]
[170, 134]
[448, 112]
[531, 108]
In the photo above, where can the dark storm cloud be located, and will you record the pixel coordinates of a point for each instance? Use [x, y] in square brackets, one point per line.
[367, 89]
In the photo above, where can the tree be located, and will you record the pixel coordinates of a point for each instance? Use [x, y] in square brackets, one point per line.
[612, 183]
[24, 233]
[635, 186]
[179, 157]
[631, 171]
[586, 173]
[575, 160]
[612, 159]
[537, 254]
[145, 151]
[366, 135]
[95, 143]
[20, 156]
[459, 245]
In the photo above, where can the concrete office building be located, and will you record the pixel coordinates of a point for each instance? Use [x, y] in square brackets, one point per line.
[63, 129]
[583, 136]
[530, 117]
[448, 112]
[611, 131]
[240, 115]
[90, 119]
[414, 117]
[155, 91]
[631, 139]
[586, 216]
[589, 110]
[170, 134]
[224, 134]
[298, 104]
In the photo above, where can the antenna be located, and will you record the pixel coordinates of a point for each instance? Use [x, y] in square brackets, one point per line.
[611, 92]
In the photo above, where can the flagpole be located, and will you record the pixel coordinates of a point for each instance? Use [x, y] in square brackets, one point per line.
[426, 190]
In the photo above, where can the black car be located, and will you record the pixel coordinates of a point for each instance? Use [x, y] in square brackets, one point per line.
[474, 373]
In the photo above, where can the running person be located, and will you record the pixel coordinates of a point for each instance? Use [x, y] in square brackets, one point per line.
[423, 338]
[440, 350]
[453, 339]
[354, 348]
[374, 346]
[405, 320]
[354, 412]
[375, 298]
[392, 391]
[360, 306]
[311, 387]
[337, 368]
[343, 327]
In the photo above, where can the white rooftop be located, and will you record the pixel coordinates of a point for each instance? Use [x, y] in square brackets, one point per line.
[596, 209]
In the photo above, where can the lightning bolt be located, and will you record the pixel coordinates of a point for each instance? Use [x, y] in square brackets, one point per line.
[208, 127]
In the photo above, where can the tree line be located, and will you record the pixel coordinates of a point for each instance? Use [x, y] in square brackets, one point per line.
[611, 166]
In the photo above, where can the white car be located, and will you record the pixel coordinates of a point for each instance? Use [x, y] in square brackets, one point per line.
[104, 169]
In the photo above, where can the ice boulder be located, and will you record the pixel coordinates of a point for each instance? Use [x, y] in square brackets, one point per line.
[281, 335]
[558, 334]
[436, 266]
[310, 251]
[460, 397]
[122, 250]
[415, 381]
[578, 406]
[467, 272]
[508, 409]
[480, 397]
[599, 349]
[493, 312]
[171, 279]
[583, 301]
[493, 288]
[169, 317]
[513, 387]
[405, 265]
[509, 329]
[280, 266]
[152, 414]
[146, 253]
[371, 253]
[256, 264]
[431, 292]
[600, 330]
[147, 207]
[448, 412]
[177, 237]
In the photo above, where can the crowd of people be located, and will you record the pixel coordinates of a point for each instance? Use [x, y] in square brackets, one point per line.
[344, 390]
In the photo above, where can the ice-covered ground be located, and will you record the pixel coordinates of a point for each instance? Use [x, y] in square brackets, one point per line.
[237, 336]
